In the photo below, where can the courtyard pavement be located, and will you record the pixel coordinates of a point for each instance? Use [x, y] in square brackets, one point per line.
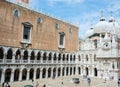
[67, 82]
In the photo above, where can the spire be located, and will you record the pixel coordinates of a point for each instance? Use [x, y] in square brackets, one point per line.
[111, 17]
[91, 25]
[23, 2]
[102, 17]
[100, 37]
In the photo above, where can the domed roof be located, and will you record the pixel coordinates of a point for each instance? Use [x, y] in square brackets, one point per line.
[114, 26]
[102, 26]
[89, 32]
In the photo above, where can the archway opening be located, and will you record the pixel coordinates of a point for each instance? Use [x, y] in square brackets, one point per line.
[95, 71]
[32, 57]
[74, 70]
[59, 72]
[44, 73]
[7, 75]
[49, 72]
[63, 71]
[79, 70]
[70, 70]
[1, 53]
[16, 75]
[24, 74]
[0, 74]
[31, 73]
[87, 71]
[25, 56]
[9, 54]
[67, 71]
[38, 74]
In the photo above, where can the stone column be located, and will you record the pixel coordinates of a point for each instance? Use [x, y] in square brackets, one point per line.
[61, 72]
[68, 70]
[34, 76]
[41, 74]
[28, 74]
[12, 76]
[51, 72]
[56, 72]
[65, 71]
[20, 76]
[72, 70]
[46, 74]
[3, 76]
[13, 58]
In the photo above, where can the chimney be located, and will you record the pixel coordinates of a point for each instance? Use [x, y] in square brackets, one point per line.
[24, 2]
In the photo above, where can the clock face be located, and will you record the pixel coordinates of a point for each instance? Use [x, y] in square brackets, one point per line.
[106, 46]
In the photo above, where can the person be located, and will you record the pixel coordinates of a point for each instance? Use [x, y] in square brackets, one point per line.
[89, 81]
[119, 82]
[7, 85]
[44, 85]
[33, 82]
[3, 84]
[37, 84]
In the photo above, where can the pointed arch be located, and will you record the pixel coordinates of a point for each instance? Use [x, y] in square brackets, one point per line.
[32, 56]
[18, 54]
[7, 75]
[95, 72]
[1, 53]
[9, 54]
[25, 56]
[38, 73]
[24, 74]
[39, 56]
[16, 75]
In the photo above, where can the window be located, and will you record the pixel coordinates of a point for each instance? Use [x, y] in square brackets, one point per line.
[16, 13]
[39, 20]
[86, 57]
[70, 30]
[27, 32]
[61, 39]
[57, 26]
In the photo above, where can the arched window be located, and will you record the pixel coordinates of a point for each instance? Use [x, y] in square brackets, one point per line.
[39, 20]
[86, 57]
[16, 13]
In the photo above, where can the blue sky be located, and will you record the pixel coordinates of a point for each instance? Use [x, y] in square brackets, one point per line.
[82, 12]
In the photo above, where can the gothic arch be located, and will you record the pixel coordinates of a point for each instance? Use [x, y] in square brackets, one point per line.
[24, 74]
[37, 73]
[32, 56]
[95, 72]
[38, 55]
[7, 75]
[9, 54]
[1, 53]
[44, 73]
[16, 75]
[25, 56]
[49, 72]
[31, 73]
[87, 71]
[18, 54]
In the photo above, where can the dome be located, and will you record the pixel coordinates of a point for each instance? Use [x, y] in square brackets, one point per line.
[102, 26]
[89, 32]
[115, 27]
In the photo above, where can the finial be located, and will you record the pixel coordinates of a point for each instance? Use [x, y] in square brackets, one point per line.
[102, 13]
[111, 13]
[102, 17]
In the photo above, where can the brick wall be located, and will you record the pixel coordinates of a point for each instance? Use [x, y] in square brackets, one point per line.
[44, 36]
